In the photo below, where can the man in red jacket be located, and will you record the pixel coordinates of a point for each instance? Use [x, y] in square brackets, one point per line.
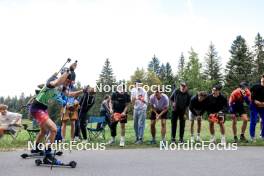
[236, 105]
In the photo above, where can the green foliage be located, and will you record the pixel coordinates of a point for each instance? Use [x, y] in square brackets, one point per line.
[258, 69]
[106, 78]
[154, 65]
[181, 67]
[192, 72]
[240, 66]
[212, 71]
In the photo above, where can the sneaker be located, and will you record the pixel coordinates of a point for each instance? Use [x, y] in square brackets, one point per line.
[173, 141]
[198, 139]
[37, 150]
[122, 142]
[181, 141]
[212, 140]
[243, 138]
[77, 139]
[192, 139]
[111, 141]
[85, 141]
[223, 140]
[153, 142]
[253, 140]
[140, 141]
[51, 160]
[236, 139]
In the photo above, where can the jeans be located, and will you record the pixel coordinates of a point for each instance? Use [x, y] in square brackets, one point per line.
[139, 123]
[254, 112]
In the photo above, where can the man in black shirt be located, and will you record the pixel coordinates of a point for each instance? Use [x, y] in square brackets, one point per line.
[180, 100]
[120, 100]
[257, 107]
[86, 103]
[197, 108]
[216, 106]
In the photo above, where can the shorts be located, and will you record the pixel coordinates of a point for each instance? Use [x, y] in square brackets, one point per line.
[69, 114]
[238, 110]
[40, 115]
[217, 118]
[122, 120]
[193, 117]
[153, 115]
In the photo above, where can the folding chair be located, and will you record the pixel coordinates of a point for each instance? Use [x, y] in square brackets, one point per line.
[32, 131]
[13, 130]
[95, 132]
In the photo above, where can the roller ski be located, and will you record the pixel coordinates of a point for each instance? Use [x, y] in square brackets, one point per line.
[50, 161]
[38, 154]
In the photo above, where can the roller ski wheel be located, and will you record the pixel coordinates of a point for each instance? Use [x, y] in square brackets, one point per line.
[36, 155]
[71, 164]
[38, 162]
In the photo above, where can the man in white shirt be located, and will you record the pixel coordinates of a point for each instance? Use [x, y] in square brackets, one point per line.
[8, 120]
[139, 99]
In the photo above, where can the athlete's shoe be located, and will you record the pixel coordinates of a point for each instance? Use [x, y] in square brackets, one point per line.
[85, 141]
[253, 139]
[212, 140]
[173, 141]
[37, 150]
[243, 138]
[122, 142]
[140, 141]
[111, 141]
[181, 141]
[235, 139]
[223, 140]
[49, 159]
[153, 142]
[192, 139]
[198, 139]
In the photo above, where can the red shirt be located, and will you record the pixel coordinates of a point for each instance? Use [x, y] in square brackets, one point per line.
[236, 96]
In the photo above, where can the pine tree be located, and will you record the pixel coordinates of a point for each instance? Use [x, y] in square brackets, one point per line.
[169, 79]
[192, 72]
[259, 57]
[239, 68]
[162, 73]
[107, 76]
[139, 74]
[212, 65]
[154, 65]
[181, 67]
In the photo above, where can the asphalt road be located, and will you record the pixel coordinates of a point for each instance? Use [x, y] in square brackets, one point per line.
[143, 162]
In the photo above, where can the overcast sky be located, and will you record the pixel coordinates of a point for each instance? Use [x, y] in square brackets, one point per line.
[36, 37]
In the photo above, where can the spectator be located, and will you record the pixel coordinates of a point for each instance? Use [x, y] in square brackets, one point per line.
[180, 101]
[139, 99]
[159, 103]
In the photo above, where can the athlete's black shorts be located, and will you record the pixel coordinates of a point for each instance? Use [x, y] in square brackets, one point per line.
[239, 110]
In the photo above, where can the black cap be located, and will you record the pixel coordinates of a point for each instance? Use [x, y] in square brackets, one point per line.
[138, 81]
[243, 85]
[217, 87]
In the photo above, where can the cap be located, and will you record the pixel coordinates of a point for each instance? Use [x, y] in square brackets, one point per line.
[217, 87]
[183, 83]
[243, 85]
